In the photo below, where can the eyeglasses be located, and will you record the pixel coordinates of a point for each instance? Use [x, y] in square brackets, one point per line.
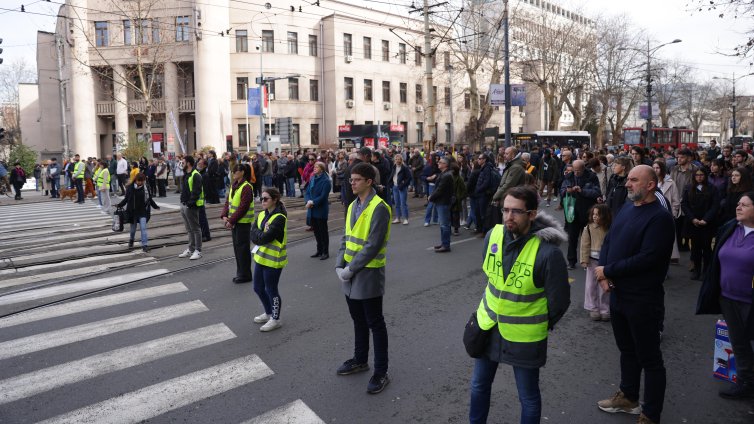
[355, 180]
[264, 199]
[519, 212]
[699, 175]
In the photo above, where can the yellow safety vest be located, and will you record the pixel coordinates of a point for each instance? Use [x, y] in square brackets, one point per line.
[234, 201]
[513, 302]
[99, 176]
[95, 175]
[199, 202]
[274, 253]
[78, 170]
[356, 237]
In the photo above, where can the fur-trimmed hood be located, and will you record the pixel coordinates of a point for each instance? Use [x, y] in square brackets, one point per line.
[548, 229]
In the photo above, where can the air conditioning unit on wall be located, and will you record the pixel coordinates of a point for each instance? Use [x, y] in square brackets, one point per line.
[349, 103]
[349, 59]
[419, 108]
[386, 106]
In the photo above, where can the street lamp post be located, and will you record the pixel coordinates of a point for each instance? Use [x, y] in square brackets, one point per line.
[507, 76]
[733, 100]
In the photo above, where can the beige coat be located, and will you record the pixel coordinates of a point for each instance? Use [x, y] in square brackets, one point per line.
[591, 240]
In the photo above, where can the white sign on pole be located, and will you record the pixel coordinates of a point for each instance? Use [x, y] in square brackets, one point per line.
[497, 94]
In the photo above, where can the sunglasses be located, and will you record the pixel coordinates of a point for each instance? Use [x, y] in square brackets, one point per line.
[264, 199]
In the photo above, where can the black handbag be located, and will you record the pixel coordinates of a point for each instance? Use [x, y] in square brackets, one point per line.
[474, 338]
[118, 220]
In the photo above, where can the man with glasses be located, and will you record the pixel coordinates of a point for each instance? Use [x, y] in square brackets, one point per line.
[526, 293]
[361, 269]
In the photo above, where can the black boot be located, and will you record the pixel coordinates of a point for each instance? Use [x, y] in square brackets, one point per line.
[130, 244]
[740, 390]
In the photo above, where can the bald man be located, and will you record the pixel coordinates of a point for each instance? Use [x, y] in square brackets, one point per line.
[583, 185]
[633, 263]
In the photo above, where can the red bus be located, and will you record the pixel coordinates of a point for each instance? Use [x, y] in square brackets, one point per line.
[664, 138]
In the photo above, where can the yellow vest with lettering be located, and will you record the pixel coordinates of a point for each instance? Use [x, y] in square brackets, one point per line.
[274, 253]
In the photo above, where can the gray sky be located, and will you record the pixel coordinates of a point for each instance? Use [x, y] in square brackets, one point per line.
[703, 34]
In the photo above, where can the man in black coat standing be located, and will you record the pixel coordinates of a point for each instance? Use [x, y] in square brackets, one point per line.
[583, 185]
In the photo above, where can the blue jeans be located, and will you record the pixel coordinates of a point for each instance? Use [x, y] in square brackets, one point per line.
[527, 383]
[431, 212]
[142, 226]
[267, 180]
[443, 215]
[290, 187]
[471, 218]
[400, 198]
[266, 281]
[55, 187]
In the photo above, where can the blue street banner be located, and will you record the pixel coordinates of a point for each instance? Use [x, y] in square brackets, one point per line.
[254, 102]
[518, 95]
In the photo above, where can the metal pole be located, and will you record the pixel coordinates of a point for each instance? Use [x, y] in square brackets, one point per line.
[262, 146]
[452, 118]
[649, 101]
[248, 133]
[734, 104]
[428, 71]
[61, 91]
[507, 76]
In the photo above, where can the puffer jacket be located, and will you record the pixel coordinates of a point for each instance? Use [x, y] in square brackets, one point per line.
[550, 272]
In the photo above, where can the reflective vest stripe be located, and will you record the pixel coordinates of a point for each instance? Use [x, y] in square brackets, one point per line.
[270, 257]
[504, 319]
[514, 297]
[356, 240]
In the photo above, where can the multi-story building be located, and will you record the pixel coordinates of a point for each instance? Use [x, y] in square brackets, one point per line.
[177, 73]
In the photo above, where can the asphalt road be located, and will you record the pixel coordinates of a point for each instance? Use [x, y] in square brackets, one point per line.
[429, 297]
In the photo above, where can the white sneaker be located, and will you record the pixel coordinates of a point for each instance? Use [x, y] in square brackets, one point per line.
[272, 324]
[405, 221]
[261, 319]
[396, 220]
[196, 255]
[426, 224]
[186, 253]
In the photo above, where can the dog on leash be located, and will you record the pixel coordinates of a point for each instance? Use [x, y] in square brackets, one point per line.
[68, 192]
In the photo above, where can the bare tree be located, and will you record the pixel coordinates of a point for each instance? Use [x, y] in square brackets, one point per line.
[669, 79]
[739, 9]
[696, 102]
[11, 75]
[152, 45]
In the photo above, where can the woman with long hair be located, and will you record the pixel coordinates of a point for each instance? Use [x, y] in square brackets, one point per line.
[670, 191]
[238, 217]
[700, 204]
[740, 182]
[318, 208]
[139, 203]
[616, 192]
[270, 234]
[596, 300]
[717, 176]
[401, 178]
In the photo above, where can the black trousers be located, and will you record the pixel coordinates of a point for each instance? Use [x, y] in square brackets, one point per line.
[482, 203]
[701, 250]
[79, 183]
[367, 315]
[679, 236]
[736, 315]
[636, 327]
[203, 224]
[242, 250]
[122, 178]
[574, 230]
[319, 225]
[161, 186]
[152, 186]
[17, 187]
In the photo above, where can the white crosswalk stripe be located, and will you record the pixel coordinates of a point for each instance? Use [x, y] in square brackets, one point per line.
[144, 403]
[16, 218]
[169, 395]
[50, 378]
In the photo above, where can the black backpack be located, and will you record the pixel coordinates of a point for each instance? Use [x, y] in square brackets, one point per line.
[494, 182]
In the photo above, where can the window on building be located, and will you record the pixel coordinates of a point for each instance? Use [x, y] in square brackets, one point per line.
[403, 88]
[292, 42]
[143, 32]
[446, 59]
[268, 41]
[349, 122]
[348, 88]
[314, 90]
[433, 100]
[312, 45]
[367, 47]
[405, 131]
[402, 53]
[386, 91]
[101, 34]
[181, 28]
[466, 101]
[419, 132]
[242, 41]
[385, 51]
[447, 133]
[156, 28]
[368, 122]
[418, 56]
[419, 96]
[295, 135]
[314, 131]
[368, 90]
[447, 96]
[127, 40]
[243, 137]
[242, 83]
[292, 88]
[271, 89]
[347, 45]
[434, 59]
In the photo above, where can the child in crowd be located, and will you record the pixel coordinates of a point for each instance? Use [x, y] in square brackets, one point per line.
[596, 300]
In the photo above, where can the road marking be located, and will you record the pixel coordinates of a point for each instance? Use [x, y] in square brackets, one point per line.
[456, 242]
[295, 412]
[56, 311]
[99, 283]
[81, 262]
[169, 395]
[92, 330]
[168, 206]
[36, 382]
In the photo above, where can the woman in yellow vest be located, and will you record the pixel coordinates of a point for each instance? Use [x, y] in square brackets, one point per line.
[238, 216]
[270, 235]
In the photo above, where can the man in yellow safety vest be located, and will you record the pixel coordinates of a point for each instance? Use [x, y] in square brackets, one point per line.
[78, 177]
[526, 293]
[361, 270]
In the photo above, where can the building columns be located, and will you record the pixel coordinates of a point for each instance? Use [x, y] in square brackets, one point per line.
[171, 108]
[120, 94]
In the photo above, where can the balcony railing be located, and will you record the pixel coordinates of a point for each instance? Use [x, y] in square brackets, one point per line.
[185, 104]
